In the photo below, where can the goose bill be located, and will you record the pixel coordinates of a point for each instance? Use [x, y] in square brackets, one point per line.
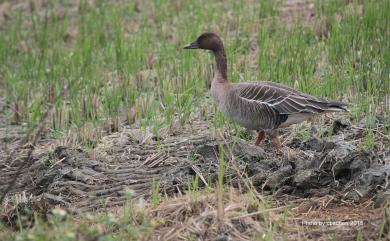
[193, 45]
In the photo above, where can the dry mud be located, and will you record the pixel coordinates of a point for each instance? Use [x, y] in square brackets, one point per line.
[127, 162]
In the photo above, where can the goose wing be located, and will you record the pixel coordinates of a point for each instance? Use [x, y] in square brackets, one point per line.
[284, 99]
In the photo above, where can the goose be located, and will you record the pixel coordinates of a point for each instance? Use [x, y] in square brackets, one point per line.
[263, 105]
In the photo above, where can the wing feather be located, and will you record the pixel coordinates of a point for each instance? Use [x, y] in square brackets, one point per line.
[284, 99]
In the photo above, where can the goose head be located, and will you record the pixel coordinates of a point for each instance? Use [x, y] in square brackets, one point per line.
[208, 41]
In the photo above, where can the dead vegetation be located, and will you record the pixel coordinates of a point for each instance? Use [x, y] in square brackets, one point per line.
[320, 179]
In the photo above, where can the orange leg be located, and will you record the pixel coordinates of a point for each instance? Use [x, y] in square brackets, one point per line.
[275, 141]
[260, 137]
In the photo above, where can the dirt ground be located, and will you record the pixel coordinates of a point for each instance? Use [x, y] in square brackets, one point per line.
[325, 179]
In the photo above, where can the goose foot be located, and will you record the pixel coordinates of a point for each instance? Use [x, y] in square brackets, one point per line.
[260, 137]
[275, 142]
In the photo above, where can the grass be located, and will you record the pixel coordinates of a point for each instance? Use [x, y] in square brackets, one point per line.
[112, 59]
[132, 225]
[106, 63]
[138, 221]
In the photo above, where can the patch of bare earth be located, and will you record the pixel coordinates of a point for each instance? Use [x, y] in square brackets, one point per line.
[315, 180]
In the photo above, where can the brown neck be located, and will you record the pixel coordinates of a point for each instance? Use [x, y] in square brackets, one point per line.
[221, 68]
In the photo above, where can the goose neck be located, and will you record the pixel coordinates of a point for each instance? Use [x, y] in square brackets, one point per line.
[221, 65]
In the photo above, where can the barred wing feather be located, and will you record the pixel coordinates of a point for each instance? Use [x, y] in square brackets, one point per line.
[284, 99]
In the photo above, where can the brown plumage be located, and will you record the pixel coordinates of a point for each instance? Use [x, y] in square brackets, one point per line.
[259, 105]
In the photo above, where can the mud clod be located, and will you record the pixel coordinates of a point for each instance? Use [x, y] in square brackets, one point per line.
[339, 125]
[279, 177]
[316, 144]
[372, 180]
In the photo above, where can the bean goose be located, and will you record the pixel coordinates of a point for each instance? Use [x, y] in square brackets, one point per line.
[261, 105]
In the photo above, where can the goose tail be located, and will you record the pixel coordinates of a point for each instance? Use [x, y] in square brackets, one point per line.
[334, 105]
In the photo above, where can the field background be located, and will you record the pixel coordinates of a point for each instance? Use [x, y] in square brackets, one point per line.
[74, 72]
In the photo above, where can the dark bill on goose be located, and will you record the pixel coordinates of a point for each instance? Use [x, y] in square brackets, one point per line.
[193, 45]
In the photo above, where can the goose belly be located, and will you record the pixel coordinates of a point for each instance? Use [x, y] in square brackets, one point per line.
[252, 121]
